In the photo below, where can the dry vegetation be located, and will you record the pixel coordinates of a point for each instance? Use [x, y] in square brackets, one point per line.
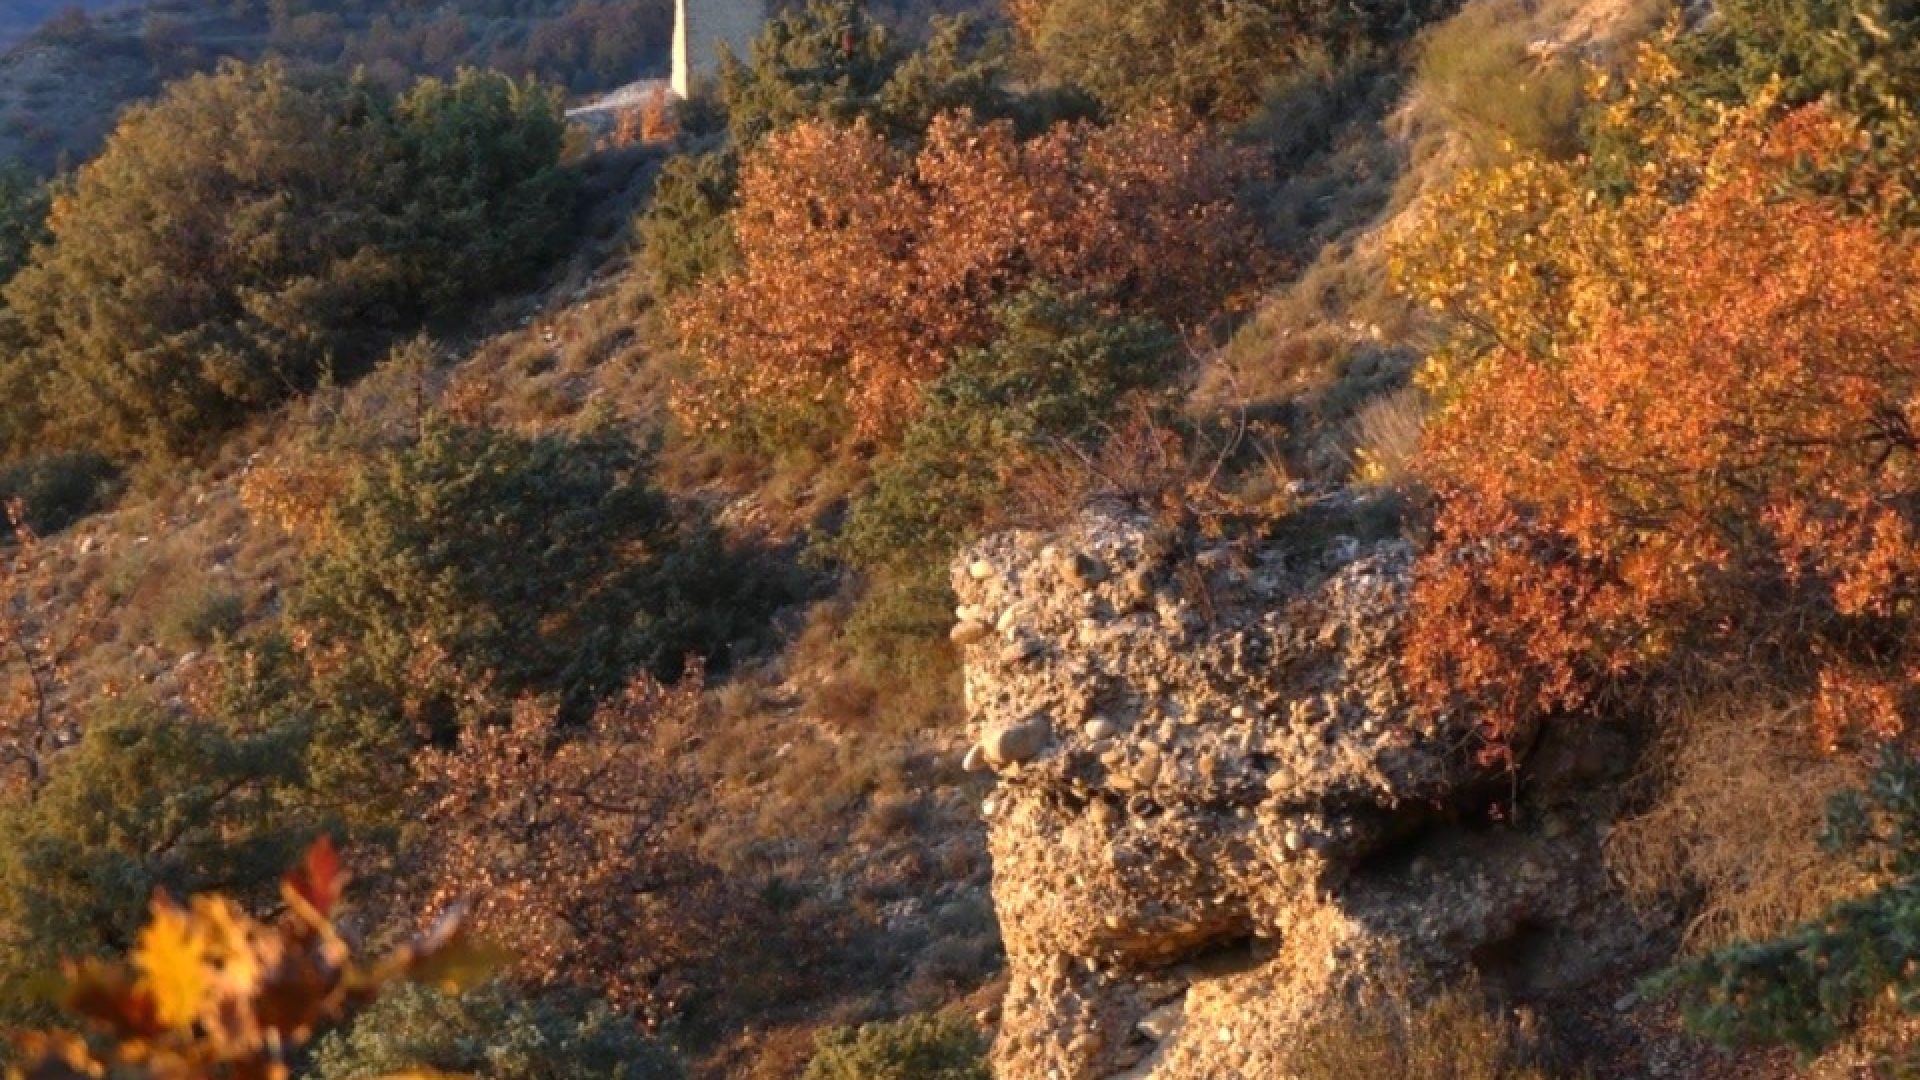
[1735, 827]
[1452, 1036]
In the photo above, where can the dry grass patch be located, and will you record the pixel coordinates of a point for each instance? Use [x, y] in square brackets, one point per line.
[1735, 824]
[1452, 1036]
[1386, 437]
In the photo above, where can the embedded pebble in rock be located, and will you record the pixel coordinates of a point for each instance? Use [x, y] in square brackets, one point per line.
[1232, 747]
[1017, 744]
[975, 761]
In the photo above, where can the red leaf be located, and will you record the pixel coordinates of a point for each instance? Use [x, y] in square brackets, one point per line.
[320, 879]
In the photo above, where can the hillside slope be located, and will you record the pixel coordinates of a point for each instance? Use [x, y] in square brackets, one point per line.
[1156, 779]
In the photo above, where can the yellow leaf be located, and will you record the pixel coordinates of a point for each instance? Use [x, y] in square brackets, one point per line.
[171, 959]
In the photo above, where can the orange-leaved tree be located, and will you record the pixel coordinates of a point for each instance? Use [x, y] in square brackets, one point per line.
[864, 268]
[1723, 466]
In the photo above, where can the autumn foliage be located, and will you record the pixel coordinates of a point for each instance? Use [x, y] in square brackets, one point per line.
[212, 992]
[865, 268]
[565, 840]
[1718, 466]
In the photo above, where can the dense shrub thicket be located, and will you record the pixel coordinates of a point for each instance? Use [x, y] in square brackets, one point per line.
[580, 44]
[1674, 437]
[909, 270]
[864, 269]
[465, 674]
[1722, 306]
[828, 62]
[1727, 433]
[253, 230]
[1676, 445]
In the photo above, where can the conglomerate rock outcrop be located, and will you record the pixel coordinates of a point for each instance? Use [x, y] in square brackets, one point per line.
[1217, 808]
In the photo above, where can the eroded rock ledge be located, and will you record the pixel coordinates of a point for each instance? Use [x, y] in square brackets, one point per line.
[1216, 806]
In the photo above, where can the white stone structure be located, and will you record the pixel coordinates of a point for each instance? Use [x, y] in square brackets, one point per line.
[701, 27]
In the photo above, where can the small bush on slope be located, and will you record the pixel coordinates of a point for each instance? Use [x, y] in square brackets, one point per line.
[1481, 72]
[23, 219]
[917, 1048]
[478, 558]
[1055, 369]
[196, 616]
[217, 252]
[831, 62]
[685, 235]
[491, 1032]
[570, 829]
[484, 199]
[59, 489]
[826, 62]
[1741, 795]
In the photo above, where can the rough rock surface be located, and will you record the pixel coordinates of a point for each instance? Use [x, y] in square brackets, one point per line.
[1216, 806]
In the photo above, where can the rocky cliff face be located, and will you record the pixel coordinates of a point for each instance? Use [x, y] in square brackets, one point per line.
[1217, 809]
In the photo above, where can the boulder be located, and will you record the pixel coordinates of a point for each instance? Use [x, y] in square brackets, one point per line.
[1196, 836]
